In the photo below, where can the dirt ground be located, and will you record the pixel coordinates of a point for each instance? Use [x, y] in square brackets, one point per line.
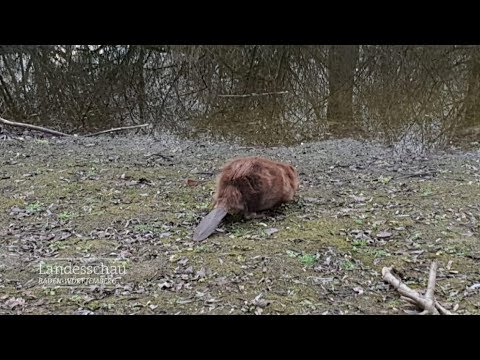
[135, 201]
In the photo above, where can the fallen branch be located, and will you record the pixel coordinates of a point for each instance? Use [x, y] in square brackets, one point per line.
[58, 133]
[426, 302]
[33, 127]
[254, 94]
[117, 129]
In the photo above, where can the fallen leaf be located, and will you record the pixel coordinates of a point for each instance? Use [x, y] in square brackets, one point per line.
[190, 182]
[384, 234]
[474, 286]
[359, 199]
[183, 261]
[358, 290]
[165, 284]
[13, 302]
[83, 312]
[174, 258]
[201, 272]
[271, 231]
[258, 311]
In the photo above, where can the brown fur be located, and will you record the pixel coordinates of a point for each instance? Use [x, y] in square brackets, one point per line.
[249, 185]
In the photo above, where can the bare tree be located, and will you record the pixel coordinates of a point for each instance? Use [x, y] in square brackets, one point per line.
[292, 93]
[342, 60]
[472, 98]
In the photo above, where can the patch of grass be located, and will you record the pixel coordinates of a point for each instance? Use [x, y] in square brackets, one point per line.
[34, 207]
[380, 253]
[359, 243]
[347, 265]
[202, 249]
[427, 192]
[64, 216]
[292, 254]
[308, 259]
[145, 228]
[384, 179]
[42, 141]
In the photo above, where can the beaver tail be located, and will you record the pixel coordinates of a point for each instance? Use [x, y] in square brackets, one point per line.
[209, 223]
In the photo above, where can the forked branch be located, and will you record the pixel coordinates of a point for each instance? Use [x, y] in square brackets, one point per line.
[426, 302]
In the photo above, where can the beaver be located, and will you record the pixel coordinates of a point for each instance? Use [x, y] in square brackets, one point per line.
[248, 185]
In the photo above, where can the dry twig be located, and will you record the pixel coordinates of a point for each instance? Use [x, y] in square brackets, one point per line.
[253, 94]
[116, 129]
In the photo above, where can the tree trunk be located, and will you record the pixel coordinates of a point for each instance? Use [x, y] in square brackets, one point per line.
[141, 84]
[40, 60]
[472, 98]
[342, 60]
